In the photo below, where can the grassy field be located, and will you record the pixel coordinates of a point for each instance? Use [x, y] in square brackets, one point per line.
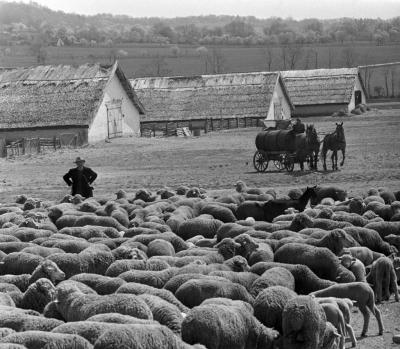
[139, 60]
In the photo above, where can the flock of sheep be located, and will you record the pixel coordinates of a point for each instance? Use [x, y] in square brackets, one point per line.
[182, 269]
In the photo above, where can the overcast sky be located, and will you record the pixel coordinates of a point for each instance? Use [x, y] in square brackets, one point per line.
[260, 8]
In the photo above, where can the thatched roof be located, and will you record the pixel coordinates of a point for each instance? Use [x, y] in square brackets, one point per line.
[207, 96]
[59, 95]
[321, 86]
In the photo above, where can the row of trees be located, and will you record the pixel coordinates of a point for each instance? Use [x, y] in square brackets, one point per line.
[18, 22]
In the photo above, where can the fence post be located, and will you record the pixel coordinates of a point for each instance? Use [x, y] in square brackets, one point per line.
[237, 122]
[154, 130]
[23, 145]
[38, 144]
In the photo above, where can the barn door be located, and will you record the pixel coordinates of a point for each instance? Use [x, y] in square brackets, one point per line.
[357, 97]
[114, 118]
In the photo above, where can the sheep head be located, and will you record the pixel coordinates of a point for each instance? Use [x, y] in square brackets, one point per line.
[347, 260]
[339, 239]
[237, 264]
[227, 247]
[247, 245]
[240, 187]
[49, 270]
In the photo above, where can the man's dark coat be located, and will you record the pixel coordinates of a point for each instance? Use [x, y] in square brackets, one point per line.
[86, 179]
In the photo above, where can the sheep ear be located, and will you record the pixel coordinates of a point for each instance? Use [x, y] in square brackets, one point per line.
[397, 269]
[237, 245]
[1, 263]
[340, 258]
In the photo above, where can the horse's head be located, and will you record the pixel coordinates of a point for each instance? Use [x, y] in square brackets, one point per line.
[340, 129]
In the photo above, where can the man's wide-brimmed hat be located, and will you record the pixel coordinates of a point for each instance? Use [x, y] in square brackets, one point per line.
[79, 160]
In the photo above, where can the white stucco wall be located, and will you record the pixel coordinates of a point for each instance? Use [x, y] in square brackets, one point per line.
[130, 122]
[357, 87]
[277, 96]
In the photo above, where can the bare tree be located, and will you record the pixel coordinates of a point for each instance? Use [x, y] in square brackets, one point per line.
[284, 52]
[216, 61]
[331, 56]
[393, 76]
[367, 75]
[203, 52]
[316, 54]
[38, 49]
[386, 72]
[156, 67]
[269, 54]
[294, 52]
[349, 56]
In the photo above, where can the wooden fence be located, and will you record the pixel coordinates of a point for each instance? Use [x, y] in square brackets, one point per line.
[168, 128]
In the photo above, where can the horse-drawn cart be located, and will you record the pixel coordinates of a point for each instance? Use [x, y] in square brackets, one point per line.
[284, 148]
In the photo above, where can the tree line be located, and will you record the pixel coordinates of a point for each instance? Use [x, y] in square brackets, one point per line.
[21, 23]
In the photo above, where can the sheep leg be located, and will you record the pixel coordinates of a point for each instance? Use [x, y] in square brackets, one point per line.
[366, 316]
[379, 319]
[350, 332]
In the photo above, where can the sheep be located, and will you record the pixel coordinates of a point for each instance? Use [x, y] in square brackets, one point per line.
[230, 230]
[89, 231]
[38, 295]
[137, 289]
[383, 277]
[178, 280]
[164, 312]
[344, 304]
[103, 285]
[385, 228]
[116, 318]
[354, 265]
[247, 245]
[43, 340]
[14, 246]
[42, 251]
[129, 251]
[264, 253]
[219, 212]
[219, 326]
[149, 277]
[21, 281]
[269, 305]
[198, 226]
[29, 234]
[47, 269]
[305, 280]
[123, 265]
[362, 253]
[4, 331]
[74, 305]
[352, 218]
[21, 322]
[137, 336]
[384, 211]
[319, 259]
[178, 243]
[303, 323]
[241, 187]
[335, 317]
[178, 216]
[68, 246]
[369, 238]
[301, 221]
[94, 259]
[394, 240]
[245, 279]
[19, 263]
[159, 247]
[359, 292]
[193, 292]
[6, 300]
[273, 277]
[356, 205]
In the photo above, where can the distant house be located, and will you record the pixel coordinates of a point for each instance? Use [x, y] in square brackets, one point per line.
[92, 100]
[260, 95]
[324, 91]
[60, 42]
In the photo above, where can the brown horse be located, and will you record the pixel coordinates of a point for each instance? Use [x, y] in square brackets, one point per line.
[334, 141]
[307, 146]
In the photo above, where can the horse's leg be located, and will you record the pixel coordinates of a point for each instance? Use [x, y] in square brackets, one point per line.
[316, 160]
[323, 153]
[343, 156]
[334, 154]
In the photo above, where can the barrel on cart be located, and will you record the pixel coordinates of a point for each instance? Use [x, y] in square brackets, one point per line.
[278, 146]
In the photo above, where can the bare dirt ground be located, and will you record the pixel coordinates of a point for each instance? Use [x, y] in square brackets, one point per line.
[215, 161]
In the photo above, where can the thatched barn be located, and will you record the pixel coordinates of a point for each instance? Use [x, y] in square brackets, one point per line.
[324, 91]
[91, 101]
[236, 96]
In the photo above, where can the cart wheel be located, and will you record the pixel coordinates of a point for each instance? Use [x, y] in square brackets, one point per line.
[260, 163]
[279, 164]
[289, 164]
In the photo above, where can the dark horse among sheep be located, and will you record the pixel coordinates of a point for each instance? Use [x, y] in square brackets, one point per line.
[274, 208]
[312, 145]
[334, 141]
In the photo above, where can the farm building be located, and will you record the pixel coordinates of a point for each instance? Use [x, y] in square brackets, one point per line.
[225, 98]
[91, 102]
[324, 91]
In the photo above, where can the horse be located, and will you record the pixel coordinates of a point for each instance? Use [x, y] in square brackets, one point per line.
[307, 145]
[334, 141]
[312, 145]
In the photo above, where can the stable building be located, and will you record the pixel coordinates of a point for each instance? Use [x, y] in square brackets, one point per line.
[321, 92]
[92, 101]
[229, 99]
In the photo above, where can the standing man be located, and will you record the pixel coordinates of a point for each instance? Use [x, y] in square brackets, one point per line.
[81, 179]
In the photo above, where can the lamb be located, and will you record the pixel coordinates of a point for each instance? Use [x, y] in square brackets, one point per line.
[369, 238]
[383, 277]
[273, 277]
[264, 253]
[74, 305]
[193, 292]
[38, 295]
[141, 336]
[21, 322]
[305, 280]
[303, 323]
[42, 340]
[247, 245]
[335, 317]
[354, 265]
[123, 265]
[362, 253]
[197, 226]
[269, 305]
[319, 259]
[137, 289]
[241, 187]
[159, 247]
[219, 326]
[47, 269]
[359, 292]
[384, 211]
